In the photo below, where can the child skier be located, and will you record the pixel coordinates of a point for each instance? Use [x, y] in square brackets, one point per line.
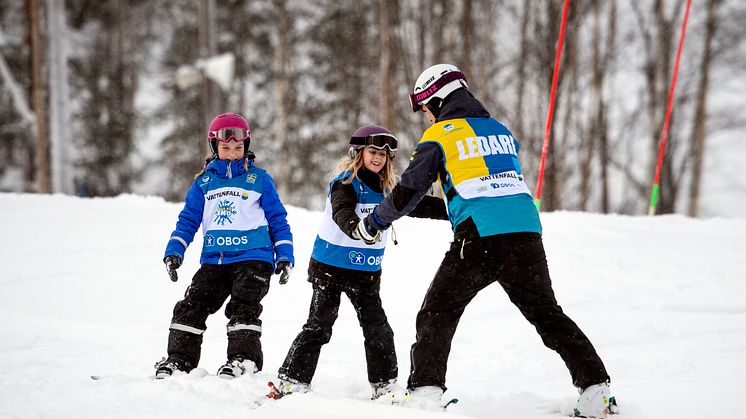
[342, 263]
[246, 237]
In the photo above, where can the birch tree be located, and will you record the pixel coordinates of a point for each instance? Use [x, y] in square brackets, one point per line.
[59, 98]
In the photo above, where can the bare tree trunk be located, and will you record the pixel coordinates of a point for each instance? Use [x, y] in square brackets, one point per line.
[604, 158]
[422, 41]
[124, 55]
[548, 37]
[596, 111]
[206, 45]
[597, 125]
[126, 79]
[658, 73]
[280, 70]
[449, 31]
[439, 37]
[604, 128]
[38, 98]
[467, 31]
[387, 10]
[565, 143]
[522, 68]
[59, 106]
[699, 131]
[659, 50]
[662, 72]
[552, 174]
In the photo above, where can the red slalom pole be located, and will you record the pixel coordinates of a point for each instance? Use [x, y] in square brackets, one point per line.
[552, 96]
[664, 133]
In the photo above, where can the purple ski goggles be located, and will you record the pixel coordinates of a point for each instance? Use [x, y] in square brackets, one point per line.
[416, 98]
[382, 141]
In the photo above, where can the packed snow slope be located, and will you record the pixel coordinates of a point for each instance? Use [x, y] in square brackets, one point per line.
[83, 291]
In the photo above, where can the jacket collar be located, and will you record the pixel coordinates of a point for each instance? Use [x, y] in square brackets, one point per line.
[462, 104]
[227, 170]
[373, 180]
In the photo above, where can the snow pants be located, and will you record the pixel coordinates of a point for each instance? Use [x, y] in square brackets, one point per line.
[380, 354]
[246, 283]
[517, 262]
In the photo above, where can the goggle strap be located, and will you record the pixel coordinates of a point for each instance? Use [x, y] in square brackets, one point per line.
[367, 141]
[225, 134]
[417, 97]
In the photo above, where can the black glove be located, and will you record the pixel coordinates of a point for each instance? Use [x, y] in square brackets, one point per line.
[284, 268]
[172, 264]
[366, 232]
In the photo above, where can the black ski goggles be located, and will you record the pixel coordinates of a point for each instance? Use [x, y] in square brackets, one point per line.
[227, 134]
[380, 141]
[416, 98]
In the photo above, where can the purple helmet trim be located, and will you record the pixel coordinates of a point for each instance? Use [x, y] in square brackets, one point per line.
[370, 129]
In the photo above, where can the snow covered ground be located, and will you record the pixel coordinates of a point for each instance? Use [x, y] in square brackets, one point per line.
[83, 291]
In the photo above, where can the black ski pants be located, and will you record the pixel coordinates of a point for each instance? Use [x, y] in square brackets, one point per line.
[380, 354]
[246, 283]
[517, 262]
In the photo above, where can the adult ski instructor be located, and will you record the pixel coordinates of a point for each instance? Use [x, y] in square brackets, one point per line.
[497, 238]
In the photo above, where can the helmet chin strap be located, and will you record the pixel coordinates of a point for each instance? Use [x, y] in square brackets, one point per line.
[435, 105]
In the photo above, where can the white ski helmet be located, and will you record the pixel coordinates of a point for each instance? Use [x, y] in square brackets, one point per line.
[437, 81]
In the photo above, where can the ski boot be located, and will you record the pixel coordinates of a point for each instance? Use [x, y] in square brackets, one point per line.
[167, 367]
[384, 388]
[237, 367]
[424, 398]
[595, 402]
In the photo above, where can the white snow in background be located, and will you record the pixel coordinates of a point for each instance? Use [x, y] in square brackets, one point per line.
[83, 291]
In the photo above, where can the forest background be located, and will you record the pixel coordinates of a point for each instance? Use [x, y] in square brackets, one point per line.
[101, 98]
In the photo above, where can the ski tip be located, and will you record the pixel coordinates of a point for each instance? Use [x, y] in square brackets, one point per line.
[274, 393]
[450, 402]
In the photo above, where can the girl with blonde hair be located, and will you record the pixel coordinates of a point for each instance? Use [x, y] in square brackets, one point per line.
[343, 263]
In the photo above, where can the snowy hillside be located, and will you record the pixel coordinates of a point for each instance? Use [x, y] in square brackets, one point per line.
[83, 291]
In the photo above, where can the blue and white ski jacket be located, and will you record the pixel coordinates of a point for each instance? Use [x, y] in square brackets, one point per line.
[333, 247]
[241, 215]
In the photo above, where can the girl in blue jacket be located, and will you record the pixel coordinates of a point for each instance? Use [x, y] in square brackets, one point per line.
[246, 238]
[342, 263]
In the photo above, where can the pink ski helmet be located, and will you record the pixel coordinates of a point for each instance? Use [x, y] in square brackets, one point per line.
[226, 127]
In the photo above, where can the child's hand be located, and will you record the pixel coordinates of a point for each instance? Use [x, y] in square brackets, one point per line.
[366, 232]
[284, 268]
[172, 264]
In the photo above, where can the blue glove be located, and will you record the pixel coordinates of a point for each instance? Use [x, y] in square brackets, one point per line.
[284, 268]
[172, 264]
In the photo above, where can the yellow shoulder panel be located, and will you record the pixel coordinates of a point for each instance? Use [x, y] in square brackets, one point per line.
[449, 134]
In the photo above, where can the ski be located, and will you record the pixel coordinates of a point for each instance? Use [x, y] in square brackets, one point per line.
[423, 404]
[450, 402]
[274, 392]
[107, 377]
[99, 377]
